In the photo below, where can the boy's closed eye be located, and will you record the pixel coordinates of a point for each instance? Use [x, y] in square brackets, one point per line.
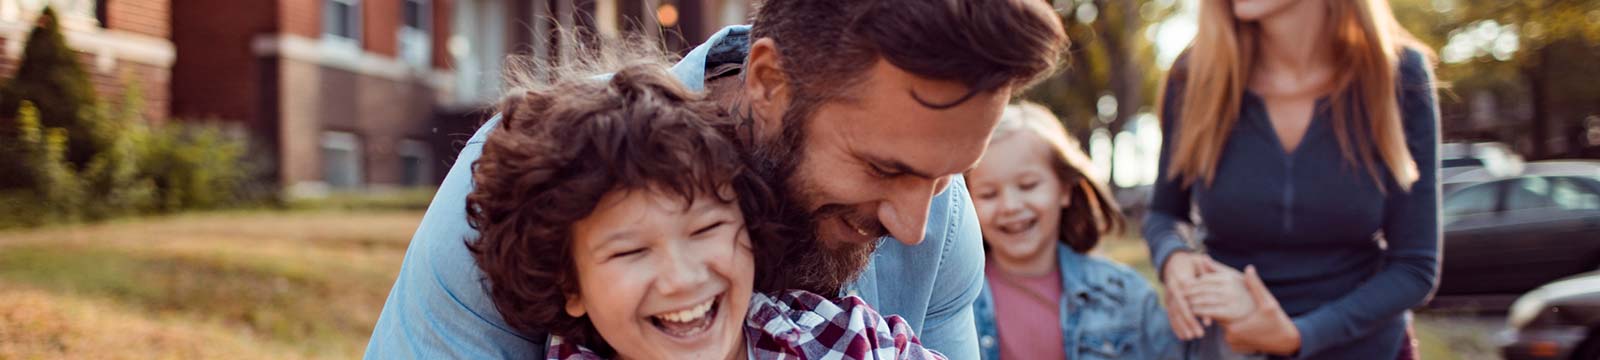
[627, 252]
[707, 229]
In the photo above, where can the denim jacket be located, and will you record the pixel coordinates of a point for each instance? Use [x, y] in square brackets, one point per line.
[1107, 312]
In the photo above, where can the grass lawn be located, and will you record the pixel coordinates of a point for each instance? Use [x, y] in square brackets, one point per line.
[251, 284]
[273, 285]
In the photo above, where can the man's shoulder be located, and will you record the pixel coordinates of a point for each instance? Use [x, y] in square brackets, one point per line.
[946, 267]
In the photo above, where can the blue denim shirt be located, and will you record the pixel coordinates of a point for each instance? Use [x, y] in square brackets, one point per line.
[1107, 312]
[439, 309]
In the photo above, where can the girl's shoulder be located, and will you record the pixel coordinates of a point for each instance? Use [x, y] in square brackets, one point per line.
[1103, 274]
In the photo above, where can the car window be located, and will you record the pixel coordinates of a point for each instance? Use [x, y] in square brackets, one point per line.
[1474, 199]
[1529, 193]
[1460, 162]
[1573, 194]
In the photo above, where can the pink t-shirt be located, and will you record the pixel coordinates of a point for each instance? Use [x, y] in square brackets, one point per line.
[1028, 328]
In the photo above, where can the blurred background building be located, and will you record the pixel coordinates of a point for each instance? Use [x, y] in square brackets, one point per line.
[342, 94]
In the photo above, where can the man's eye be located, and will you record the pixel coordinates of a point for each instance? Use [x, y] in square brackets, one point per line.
[883, 173]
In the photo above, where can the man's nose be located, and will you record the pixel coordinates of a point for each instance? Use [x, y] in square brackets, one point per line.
[905, 212]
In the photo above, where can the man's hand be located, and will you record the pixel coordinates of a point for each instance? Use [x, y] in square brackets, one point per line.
[1182, 271]
[1267, 329]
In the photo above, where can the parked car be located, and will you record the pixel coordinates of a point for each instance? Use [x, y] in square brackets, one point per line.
[1494, 157]
[1560, 320]
[1508, 235]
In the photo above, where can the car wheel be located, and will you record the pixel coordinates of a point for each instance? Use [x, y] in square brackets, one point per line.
[1590, 348]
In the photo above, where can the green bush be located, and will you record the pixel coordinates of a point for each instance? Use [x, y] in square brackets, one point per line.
[195, 166]
[114, 175]
[52, 191]
[79, 159]
[161, 169]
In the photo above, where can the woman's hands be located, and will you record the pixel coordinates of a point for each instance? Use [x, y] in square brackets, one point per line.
[1181, 272]
[1220, 295]
[1252, 320]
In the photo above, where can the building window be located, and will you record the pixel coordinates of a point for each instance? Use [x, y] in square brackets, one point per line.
[341, 160]
[100, 13]
[416, 43]
[73, 14]
[341, 21]
[416, 163]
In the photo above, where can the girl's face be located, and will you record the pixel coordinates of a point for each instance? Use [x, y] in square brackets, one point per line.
[1018, 198]
[1255, 10]
[662, 282]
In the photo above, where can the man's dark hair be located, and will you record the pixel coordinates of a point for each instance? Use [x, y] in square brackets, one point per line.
[983, 44]
[559, 148]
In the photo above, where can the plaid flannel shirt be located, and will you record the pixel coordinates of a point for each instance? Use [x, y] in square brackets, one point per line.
[800, 325]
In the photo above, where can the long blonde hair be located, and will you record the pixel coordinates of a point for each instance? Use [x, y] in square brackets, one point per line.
[1367, 43]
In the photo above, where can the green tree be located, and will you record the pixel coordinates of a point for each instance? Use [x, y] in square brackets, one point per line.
[51, 78]
[1551, 72]
[1110, 55]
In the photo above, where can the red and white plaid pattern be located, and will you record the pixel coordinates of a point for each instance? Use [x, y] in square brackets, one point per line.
[798, 325]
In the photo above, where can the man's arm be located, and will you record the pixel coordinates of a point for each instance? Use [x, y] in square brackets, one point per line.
[949, 326]
[438, 308]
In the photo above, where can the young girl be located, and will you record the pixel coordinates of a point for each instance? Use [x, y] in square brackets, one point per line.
[617, 215]
[1304, 134]
[1045, 297]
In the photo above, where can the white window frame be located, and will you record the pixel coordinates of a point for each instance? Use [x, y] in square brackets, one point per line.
[353, 41]
[72, 14]
[343, 141]
[415, 43]
[411, 148]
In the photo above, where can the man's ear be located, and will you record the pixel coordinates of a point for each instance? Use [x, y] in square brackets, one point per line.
[575, 306]
[766, 87]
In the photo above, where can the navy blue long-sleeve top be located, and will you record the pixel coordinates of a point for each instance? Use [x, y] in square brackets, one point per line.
[1314, 226]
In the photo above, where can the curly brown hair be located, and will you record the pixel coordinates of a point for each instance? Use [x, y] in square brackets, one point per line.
[559, 148]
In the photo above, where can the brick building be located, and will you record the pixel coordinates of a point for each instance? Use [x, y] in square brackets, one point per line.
[340, 94]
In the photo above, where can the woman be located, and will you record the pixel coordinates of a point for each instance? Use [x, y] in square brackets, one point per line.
[1045, 297]
[1303, 134]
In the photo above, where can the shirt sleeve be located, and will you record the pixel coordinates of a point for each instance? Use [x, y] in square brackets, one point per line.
[438, 308]
[1159, 342]
[1410, 228]
[949, 326]
[1169, 199]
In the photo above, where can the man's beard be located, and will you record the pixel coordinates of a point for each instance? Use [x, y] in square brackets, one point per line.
[814, 264]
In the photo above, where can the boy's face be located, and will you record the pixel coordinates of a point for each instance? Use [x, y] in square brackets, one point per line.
[662, 282]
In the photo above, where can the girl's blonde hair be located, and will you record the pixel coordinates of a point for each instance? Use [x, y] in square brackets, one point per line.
[1092, 212]
[1367, 44]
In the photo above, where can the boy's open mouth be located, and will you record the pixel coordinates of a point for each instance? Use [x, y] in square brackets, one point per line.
[688, 322]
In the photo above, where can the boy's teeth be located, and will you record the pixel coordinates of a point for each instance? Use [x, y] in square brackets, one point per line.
[687, 315]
